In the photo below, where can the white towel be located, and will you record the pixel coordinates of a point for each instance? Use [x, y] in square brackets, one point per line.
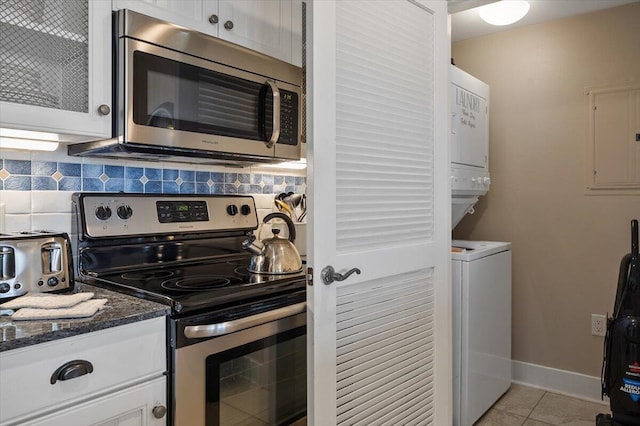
[81, 310]
[46, 301]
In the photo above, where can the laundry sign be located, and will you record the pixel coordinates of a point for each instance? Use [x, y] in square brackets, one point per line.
[469, 106]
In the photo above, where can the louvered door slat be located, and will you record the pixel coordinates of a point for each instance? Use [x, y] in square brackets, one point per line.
[366, 379]
[372, 69]
[377, 335]
[358, 296]
[374, 352]
[370, 401]
[367, 353]
[359, 321]
[356, 365]
[375, 370]
[418, 418]
[397, 413]
[384, 340]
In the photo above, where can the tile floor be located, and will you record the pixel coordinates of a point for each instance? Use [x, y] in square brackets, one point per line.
[525, 406]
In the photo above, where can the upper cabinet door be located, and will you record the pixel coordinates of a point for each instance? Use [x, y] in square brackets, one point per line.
[56, 67]
[379, 309]
[192, 14]
[260, 25]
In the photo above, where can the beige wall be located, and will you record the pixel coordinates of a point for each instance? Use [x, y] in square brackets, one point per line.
[566, 245]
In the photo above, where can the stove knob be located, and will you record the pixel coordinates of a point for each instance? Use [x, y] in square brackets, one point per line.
[52, 282]
[4, 287]
[245, 209]
[103, 212]
[124, 212]
[232, 209]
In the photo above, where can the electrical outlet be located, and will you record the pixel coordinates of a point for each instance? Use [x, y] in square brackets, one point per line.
[598, 324]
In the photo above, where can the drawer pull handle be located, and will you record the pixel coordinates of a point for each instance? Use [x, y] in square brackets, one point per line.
[71, 370]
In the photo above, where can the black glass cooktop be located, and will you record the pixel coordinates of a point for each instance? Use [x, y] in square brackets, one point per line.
[201, 286]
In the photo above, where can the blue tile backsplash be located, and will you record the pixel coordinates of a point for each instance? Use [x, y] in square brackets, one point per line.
[25, 175]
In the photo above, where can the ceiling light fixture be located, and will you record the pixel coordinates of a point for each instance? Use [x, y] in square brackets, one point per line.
[504, 12]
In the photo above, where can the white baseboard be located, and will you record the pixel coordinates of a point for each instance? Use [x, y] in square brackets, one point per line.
[557, 381]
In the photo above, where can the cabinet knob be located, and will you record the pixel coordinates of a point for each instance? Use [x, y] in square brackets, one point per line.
[228, 25]
[159, 411]
[213, 19]
[104, 109]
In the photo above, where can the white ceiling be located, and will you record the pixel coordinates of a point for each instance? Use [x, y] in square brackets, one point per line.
[467, 23]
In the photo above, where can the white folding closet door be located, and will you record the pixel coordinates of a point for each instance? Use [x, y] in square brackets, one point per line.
[380, 341]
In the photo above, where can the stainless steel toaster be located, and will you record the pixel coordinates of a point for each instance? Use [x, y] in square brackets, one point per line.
[35, 261]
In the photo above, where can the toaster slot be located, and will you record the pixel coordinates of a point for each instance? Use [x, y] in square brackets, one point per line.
[51, 254]
[7, 263]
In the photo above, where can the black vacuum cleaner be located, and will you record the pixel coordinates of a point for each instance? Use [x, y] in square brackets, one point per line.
[621, 365]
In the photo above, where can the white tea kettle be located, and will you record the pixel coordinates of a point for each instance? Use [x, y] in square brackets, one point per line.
[276, 255]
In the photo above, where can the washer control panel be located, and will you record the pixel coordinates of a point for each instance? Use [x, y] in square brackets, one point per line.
[112, 215]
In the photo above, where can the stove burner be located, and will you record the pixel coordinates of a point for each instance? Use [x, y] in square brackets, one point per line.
[146, 275]
[241, 270]
[196, 283]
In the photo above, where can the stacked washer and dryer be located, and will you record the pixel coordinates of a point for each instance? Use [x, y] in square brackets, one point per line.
[481, 270]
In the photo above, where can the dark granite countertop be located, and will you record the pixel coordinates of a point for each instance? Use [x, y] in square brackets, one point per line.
[120, 309]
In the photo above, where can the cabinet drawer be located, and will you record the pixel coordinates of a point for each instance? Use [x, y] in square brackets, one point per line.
[120, 357]
[130, 407]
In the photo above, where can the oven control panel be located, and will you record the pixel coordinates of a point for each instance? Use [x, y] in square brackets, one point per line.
[114, 215]
[182, 211]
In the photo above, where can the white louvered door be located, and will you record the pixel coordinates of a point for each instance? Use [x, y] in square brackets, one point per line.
[380, 341]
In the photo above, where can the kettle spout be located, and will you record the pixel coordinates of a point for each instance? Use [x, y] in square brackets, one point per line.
[254, 246]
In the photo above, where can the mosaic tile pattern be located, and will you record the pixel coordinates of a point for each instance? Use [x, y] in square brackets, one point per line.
[24, 175]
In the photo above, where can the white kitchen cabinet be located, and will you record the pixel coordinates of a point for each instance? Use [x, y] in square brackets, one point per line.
[265, 26]
[130, 407]
[124, 384]
[55, 63]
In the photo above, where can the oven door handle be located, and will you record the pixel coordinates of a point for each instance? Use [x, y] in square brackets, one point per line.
[222, 328]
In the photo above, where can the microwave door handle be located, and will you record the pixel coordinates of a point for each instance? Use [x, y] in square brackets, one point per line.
[276, 115]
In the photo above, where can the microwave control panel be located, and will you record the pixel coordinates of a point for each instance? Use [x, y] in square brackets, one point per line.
[288, 118]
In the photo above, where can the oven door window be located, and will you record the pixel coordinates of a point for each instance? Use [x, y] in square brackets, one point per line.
[179, 96]
[260, 383]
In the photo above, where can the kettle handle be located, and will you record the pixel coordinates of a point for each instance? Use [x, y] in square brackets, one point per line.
[288, 221]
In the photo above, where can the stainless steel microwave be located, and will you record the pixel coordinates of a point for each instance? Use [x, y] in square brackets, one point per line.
[185, 96]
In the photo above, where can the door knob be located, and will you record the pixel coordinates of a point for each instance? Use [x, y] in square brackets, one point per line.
[228, 25]
[330, 275]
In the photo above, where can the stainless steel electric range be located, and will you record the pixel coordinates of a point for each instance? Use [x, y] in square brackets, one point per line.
[236, 340]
